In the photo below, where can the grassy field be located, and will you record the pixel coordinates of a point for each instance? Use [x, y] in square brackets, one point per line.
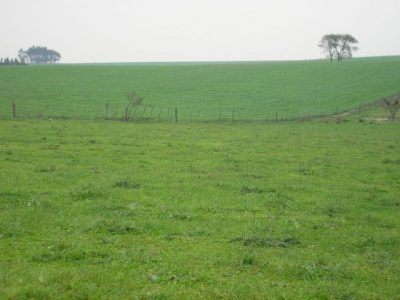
[201, 91]
[166, 211]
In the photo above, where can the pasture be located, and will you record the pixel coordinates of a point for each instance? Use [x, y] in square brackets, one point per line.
[161, 210]
[164, 211]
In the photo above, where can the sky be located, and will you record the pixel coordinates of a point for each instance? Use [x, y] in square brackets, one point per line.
[87, 31]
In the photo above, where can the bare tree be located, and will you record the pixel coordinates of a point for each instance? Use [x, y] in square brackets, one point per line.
[345, 46]
[392, 106]
[329, 44]
[134, 100]
[338, 46]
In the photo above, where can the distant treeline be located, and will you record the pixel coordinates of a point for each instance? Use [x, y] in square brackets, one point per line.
[39, 55]
[11, 62]
[33, 55]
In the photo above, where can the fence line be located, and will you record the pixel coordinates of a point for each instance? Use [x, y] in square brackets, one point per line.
[112, 111]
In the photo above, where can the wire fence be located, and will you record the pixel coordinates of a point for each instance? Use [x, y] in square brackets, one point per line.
[112, 111]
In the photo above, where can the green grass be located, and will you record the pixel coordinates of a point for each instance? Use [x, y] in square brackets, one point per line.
[202, 91]
[166, 211]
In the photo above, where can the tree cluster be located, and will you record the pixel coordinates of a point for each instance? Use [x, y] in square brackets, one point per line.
[11, 62]
[39, 55]
[338, 46]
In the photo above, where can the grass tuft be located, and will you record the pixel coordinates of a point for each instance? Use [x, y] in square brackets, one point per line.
[267, 242]
[125, 184]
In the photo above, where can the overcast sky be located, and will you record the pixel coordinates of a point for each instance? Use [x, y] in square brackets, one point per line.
[195, 30]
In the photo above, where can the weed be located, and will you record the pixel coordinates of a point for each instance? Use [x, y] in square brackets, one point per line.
[393, 162]
[115, 228]
[88, 192]
[14, 198]
[125, 184]
[306, 171]
[267, 242]
[248, 260]
[248, 190]
[67, 253]
[181, 217]
[47, 169]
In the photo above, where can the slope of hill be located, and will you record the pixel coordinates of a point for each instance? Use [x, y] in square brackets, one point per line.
[254, 88]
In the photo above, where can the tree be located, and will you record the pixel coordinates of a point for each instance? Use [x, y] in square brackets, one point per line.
[329, 43]
[23, 57]
[338, 46]
[346, 46]
[53, 56]
[392, 106]
[39, 55]
[134, 100]
[11, 62]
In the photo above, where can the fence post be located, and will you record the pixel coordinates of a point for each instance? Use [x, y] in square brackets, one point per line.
[276, 116]
[233, 115]
[144, 110]
[176, 115]
[14, 109]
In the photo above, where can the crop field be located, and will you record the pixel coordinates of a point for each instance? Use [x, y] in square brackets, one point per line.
[199, 91]
[104, 209]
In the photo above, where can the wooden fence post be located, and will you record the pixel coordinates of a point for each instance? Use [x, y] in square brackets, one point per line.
[276, 116]
[176, 115]
[14, 109]
[144, 110]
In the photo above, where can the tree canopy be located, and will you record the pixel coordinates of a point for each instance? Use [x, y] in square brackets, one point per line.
[39, 55]
[338, 46]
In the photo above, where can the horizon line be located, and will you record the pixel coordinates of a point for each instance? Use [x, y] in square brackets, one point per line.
[213, 61]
